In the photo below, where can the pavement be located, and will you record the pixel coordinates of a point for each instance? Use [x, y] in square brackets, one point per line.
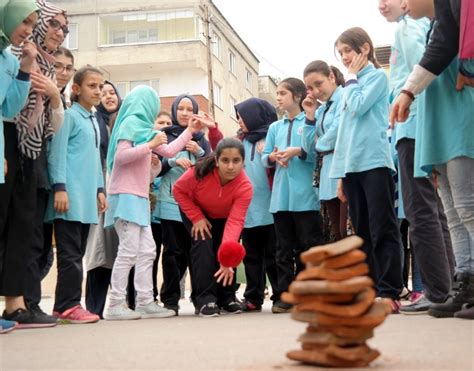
[250, 341]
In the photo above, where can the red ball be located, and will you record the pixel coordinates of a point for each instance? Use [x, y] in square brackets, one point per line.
[230, 254]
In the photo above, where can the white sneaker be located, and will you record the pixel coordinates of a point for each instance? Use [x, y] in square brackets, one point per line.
[120, 312]
[153, 310]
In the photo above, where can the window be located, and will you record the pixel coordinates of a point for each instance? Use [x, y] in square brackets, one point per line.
[145, 27]
[122, 88]
[216, 45]
[155, 84]
[153, 35]
[119, 37]
[217, 95]
[132, 37]
[248, 79]
[70, 41]
[134, 84]
[233, 102]
[232, 67]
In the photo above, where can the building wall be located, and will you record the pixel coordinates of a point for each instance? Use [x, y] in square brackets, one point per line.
[176, 63]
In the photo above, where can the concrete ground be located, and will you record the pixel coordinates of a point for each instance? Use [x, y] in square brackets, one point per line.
[256, 341]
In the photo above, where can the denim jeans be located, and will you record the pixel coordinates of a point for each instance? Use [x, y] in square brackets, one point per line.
[429, 237]
[456, 185]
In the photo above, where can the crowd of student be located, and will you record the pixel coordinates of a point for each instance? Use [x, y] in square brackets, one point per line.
[118, 179]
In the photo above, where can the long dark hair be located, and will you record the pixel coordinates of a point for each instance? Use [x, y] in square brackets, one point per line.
[324, 69]
[296, 87]
[356, 37]
[79, 77]
[64, 51]
[208, 164]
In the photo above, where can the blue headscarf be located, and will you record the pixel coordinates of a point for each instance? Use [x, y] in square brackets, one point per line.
[135, 120]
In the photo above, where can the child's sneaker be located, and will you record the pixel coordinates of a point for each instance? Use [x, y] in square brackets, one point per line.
[415, 296]
[153, 310]
[281, 307]
[209, 310]
[394, 304]
[232, 307]
[248, 306]
[76, 315]
[120, 312]
[29, 319]
[7, 326]
[420, 306]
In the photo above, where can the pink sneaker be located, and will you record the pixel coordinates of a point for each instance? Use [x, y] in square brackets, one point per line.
[415, 296]
[395, 306]
[76, 315]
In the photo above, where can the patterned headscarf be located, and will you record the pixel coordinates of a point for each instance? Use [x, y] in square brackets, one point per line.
[34, 121]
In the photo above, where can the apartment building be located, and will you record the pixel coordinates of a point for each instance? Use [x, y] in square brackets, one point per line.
[162, 44]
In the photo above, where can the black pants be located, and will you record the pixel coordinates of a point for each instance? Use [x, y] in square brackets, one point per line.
[296, 232]
[429, 234]
[371, 197]
[40, 251]
[156, 231]
[204, 264]
[97, 285]
[338, 217]
[17, 214]
[175, 259]
[71, 241]
[260, 261]
[407, 257]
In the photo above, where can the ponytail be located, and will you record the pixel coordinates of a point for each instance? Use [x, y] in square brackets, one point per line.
[324, 69]
[297, 88]
[356, 37]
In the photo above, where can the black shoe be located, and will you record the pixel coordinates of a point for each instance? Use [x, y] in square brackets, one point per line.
[463, 292]
[209, 310]
[248, 306]
[175, 308]
[281, 307]
[29, 319]
[232, 307]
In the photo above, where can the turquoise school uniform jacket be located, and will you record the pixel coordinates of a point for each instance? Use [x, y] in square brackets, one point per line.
[258, 213]
[292, 186]
[74, 166]
[445, 127]
[407, 51]
[362, 142]
[14, 88]
[321, 137]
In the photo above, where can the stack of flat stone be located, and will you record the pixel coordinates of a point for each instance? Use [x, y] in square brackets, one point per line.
[336, 298]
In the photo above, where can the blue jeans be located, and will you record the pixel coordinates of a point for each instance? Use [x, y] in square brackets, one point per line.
[456, 186]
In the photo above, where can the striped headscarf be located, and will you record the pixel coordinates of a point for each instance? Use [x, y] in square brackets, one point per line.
[34, 121]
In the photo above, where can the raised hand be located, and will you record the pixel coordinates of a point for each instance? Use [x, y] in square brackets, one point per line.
[184, 163]
[28, 55]
[193, 147]
[43, 85]
[359, 62]
[159, 139]
[310, 104]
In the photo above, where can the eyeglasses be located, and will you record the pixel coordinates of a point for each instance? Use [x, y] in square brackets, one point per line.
[56, 25]
[61, 67]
